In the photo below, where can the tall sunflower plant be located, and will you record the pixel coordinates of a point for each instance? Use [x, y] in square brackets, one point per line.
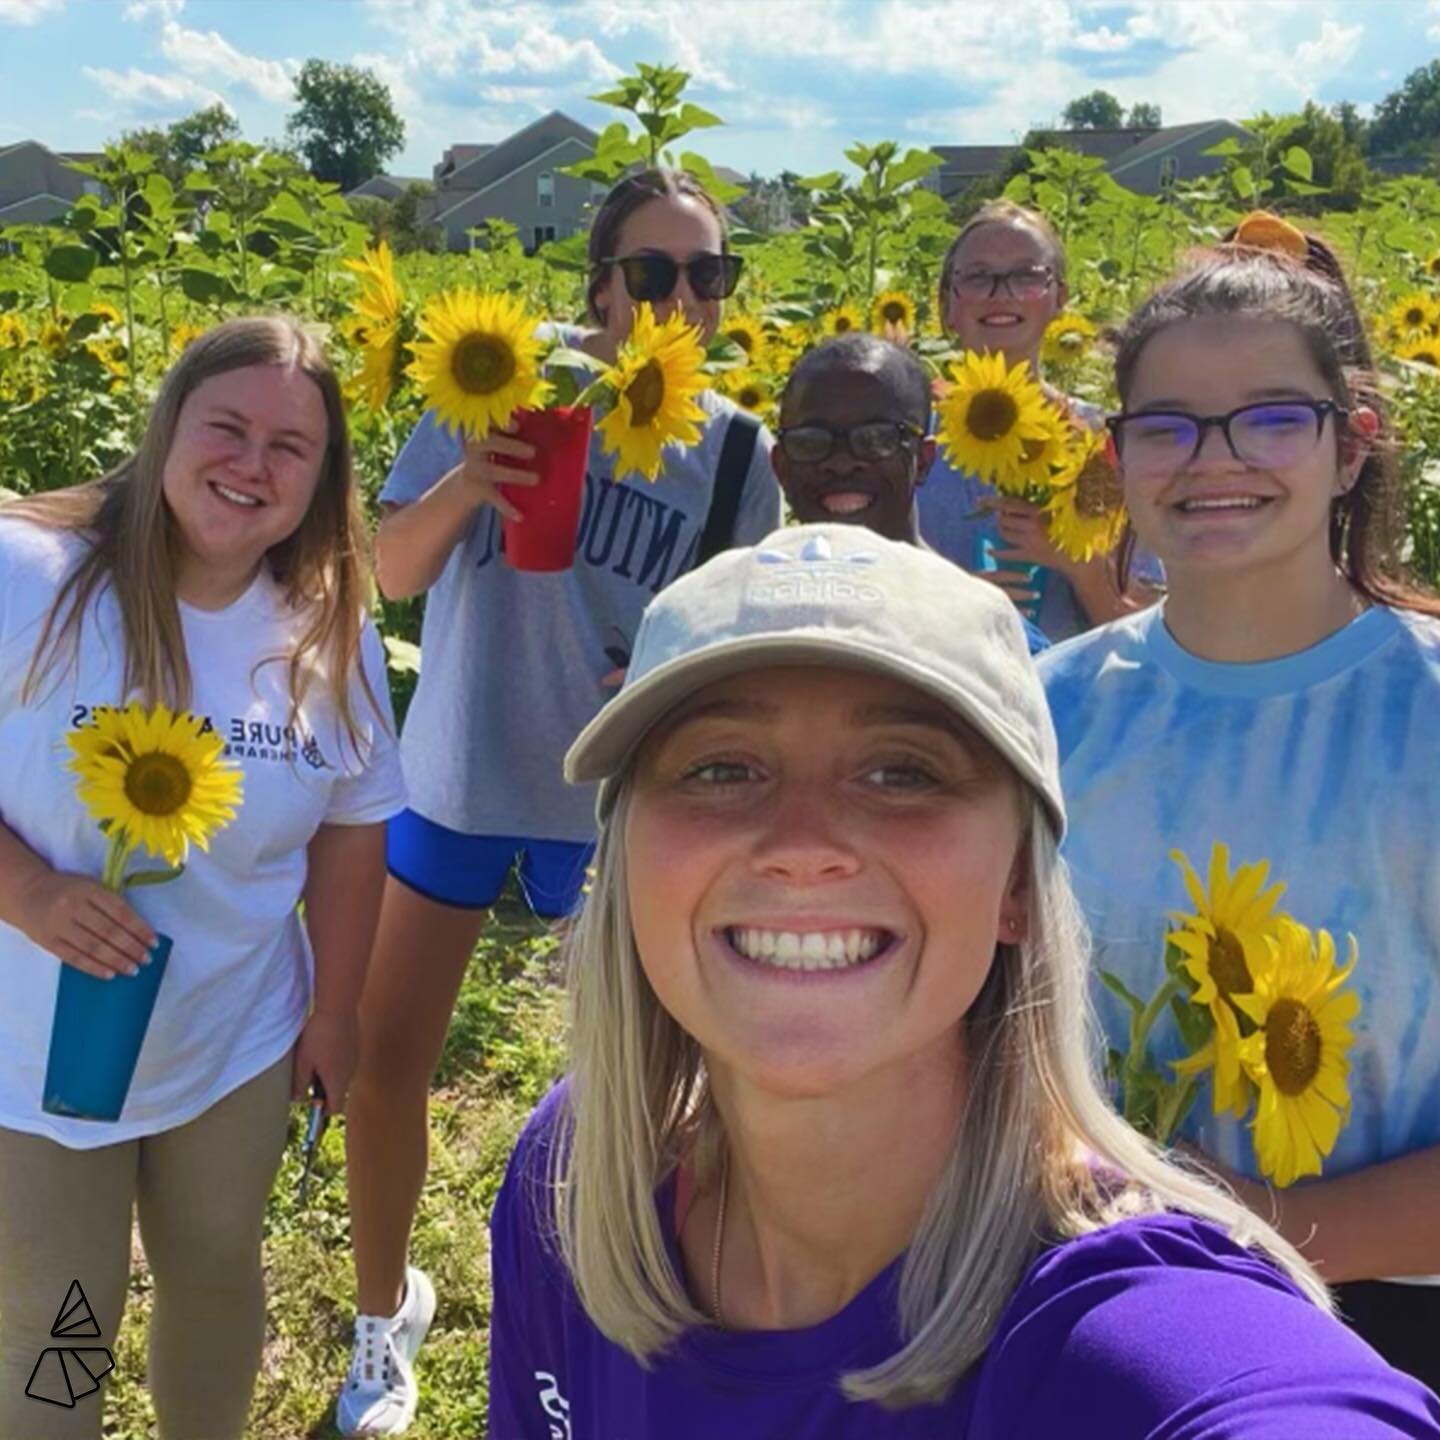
[1263, 1011]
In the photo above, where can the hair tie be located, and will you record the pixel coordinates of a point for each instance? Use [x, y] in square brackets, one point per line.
[1260, 230]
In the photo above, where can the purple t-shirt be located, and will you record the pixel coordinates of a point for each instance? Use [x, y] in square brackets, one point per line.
[1158, 1328]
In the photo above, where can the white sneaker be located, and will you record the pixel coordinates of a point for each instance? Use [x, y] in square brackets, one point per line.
[380, 1394]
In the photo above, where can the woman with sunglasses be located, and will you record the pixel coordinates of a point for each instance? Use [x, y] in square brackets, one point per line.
[515, 666]
[1282, 702]
[830, 1162]
[1002, 283]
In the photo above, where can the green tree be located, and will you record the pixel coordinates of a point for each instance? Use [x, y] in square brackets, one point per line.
[1099, 110]
[190, 138]
[1408, 119]
[344, 123]
[1143, 116]
[1353, 125]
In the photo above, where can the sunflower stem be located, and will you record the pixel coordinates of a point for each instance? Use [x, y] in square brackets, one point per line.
[116, 857]
[1140, 1028]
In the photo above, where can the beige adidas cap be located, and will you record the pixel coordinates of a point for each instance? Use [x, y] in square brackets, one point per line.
[842, 596]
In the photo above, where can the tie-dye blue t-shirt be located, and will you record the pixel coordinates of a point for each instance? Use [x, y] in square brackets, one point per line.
[1326, 763]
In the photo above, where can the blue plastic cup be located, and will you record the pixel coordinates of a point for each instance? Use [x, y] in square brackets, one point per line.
[96, 1036]
[987, 562]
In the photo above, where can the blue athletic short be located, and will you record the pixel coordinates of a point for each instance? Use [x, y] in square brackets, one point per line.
[470, 871]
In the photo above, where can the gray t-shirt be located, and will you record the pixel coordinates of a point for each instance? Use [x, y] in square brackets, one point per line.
[513, 660]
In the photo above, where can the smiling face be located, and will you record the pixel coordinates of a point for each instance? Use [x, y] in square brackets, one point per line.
[681, 227]
[822, 863]
[876, 493]
[1218, 511]
[1003, 322]
[241, 472]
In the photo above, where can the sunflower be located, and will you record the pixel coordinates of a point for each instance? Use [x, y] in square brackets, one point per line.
[107, 312]
[182, 336]
[1432, 266]
[1416, 317]
[13, 333]
[378, 328]
[893, 315]
[1421, 352]
[155, 778]
[749, 334]
[54, 337]
[841, 320]
[987, 415]
[1067, 337]
[1052, 451]
[1087, 512]
[750, 391]
[654, 380]
[380, 300]
[1298, 1056]
[479, 362]
[1224, 945]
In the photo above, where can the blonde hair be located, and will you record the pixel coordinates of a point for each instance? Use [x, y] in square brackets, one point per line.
[1039, 1155]
[134, 542]
[1001, 212]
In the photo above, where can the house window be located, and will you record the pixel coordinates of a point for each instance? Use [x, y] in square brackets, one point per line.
[543, 234]
[545, 190]
[1169, 170]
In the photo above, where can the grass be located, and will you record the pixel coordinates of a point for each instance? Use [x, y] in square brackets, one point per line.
[503, 1051]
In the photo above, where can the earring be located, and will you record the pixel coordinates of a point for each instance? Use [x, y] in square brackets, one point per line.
[1013, 926]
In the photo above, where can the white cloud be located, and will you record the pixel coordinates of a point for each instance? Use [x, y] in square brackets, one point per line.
[27, 12]
[207, 52]
[148, 93]
[1330, 49]
[1433, 10]
[138, 10]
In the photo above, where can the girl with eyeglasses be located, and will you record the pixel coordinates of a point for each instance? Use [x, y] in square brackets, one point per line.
[1002, 283]
[1282, 701]
[515, 665]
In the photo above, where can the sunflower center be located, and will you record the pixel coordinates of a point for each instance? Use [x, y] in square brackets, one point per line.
[482, 364]
[744, 339]
[1032, 450]
[1292, 1046]
[750, 397]
[1098, 492]
[842, 324]
[646, 393]
[992, 415]
[1415, 317]
[157, 784]
[893, 312]
[1227, 965]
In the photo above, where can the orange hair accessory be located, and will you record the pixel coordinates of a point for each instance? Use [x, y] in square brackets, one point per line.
[1260, 230]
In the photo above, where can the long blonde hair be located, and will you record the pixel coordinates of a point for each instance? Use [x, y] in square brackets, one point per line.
[134, 543]
[1039, 1155]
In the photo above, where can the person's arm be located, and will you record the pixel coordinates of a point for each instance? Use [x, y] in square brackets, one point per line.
[1022, 528]
[345, 874]
[1382, 1220]
[75, 918]
[415, 540]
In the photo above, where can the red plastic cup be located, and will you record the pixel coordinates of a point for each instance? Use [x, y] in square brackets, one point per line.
[545, 538]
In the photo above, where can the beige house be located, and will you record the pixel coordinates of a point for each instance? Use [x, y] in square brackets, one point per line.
[37, 187]
[517, 180]
[1143, 160]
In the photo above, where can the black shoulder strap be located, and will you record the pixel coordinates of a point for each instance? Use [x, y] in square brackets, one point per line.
[736, 452]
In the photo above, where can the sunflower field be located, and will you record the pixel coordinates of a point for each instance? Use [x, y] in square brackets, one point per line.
[94, 308]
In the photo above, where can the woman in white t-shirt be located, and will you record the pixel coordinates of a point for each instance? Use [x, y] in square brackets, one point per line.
[218, 570]
[1282, 702]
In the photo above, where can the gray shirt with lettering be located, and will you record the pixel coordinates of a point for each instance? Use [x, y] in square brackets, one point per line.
[512, 661]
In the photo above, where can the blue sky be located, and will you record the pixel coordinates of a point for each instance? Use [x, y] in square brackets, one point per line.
[796, 80]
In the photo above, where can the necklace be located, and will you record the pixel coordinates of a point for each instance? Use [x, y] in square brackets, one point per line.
[719, 1241]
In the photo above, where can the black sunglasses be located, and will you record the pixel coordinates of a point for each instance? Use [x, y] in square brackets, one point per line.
[874, 440]
[652, 277]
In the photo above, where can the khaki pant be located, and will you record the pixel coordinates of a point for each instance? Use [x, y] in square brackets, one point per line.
[200, 1191]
